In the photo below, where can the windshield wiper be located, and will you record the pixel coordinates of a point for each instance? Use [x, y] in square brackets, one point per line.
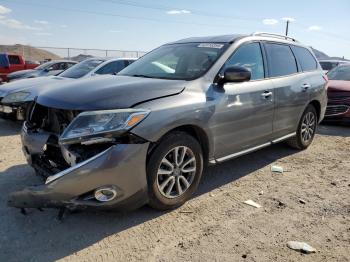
[145, 76]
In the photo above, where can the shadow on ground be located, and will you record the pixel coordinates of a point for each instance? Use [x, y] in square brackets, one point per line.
[40, 236]
[9, 127]
[328, 129]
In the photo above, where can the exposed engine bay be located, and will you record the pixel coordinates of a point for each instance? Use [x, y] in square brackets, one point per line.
[53, 157]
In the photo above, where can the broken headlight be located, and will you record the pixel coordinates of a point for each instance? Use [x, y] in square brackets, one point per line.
[102, 124]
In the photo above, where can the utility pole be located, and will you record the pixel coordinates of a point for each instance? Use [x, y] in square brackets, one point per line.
[287, 27]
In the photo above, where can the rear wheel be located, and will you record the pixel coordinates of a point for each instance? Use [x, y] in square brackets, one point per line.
[306, 129]
[174, 170]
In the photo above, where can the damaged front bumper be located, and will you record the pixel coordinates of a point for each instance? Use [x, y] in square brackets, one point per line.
[121, 167]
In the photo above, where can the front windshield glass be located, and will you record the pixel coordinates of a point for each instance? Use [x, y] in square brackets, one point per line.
[177, 61]
[44, 65]
[81, 69]
[340, 73]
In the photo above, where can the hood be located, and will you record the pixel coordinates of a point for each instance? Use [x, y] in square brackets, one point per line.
[23, 73]
[338, 85]
[108, 92]
[32, 85]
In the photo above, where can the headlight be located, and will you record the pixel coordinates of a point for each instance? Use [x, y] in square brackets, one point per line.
[15, 97]
[2, 93]
[107, 123]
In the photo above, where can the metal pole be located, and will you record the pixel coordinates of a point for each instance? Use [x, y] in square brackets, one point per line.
[106, 53]
[287, 27]
[68, 53]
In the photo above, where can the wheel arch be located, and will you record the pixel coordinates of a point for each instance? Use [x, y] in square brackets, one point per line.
[196, 132]
[317, 105]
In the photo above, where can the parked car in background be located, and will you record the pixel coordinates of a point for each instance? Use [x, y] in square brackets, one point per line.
[16, 96]
[328, 65]
[46, 69]
[338, 108]
[11, 63]
[145, 135]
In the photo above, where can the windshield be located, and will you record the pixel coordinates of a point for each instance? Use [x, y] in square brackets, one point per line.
[340, 73]
[177, 61]
[81, 69]
[44, 65]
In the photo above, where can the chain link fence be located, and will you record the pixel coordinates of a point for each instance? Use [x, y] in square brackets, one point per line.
[40, 54]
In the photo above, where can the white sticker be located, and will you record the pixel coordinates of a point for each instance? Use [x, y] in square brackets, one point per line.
[211, 45]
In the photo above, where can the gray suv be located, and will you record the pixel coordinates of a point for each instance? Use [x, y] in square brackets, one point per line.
[145, 135]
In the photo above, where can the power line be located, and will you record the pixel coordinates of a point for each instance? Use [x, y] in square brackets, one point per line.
[164, 7]
[193, 11]
[121, 16]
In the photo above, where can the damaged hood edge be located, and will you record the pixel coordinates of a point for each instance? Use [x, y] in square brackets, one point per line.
[108, 92]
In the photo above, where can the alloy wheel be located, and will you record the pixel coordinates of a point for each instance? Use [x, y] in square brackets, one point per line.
[308, 127]
[176, 172]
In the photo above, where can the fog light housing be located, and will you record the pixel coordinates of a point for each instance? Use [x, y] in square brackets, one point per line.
[105, 194]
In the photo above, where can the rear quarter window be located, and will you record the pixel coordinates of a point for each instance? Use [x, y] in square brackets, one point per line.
[281, 60]
[14, 60]
[305, 58]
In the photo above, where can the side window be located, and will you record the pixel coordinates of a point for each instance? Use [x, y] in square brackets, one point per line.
[250, 57]
[69, 65]
[305, 58]
[14, 60]
[111, 68]
[281, 60]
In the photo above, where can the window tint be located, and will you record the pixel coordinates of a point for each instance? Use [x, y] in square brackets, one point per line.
[281, 60]
[111, 68]
[250, 57]
[14, 60]
[328, 65]
[70, 65]
[305, 58]
[339, 73]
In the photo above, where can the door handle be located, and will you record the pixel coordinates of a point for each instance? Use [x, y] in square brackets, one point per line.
[266, 94]
[305, 87]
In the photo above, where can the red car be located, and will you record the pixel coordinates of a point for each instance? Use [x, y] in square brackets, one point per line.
[338, 108]
[11, 63]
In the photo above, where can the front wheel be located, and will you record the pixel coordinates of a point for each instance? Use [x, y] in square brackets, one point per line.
[174, 170]
[306, 129]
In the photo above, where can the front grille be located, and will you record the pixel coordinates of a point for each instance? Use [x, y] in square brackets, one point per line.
[50, 119]
[333, 110]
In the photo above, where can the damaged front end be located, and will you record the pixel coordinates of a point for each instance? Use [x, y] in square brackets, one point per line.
[87, 159]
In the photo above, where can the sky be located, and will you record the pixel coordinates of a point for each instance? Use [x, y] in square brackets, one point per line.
[144, 24]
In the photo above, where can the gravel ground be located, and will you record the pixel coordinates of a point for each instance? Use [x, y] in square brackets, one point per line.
[213, 226]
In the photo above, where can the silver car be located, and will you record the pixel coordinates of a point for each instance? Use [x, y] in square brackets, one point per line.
[146, 135]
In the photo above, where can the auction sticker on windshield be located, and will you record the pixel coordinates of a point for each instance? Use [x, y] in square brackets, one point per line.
[209, 45]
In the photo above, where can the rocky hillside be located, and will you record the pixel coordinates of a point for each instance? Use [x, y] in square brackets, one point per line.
[320, 55]
[30, 53]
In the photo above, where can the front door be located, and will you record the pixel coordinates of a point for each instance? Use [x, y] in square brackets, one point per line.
[244, 112]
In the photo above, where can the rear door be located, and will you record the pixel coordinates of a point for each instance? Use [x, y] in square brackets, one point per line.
[291, 88]
[244, 111]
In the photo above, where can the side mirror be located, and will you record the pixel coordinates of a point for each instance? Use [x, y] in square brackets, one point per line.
[235, 74]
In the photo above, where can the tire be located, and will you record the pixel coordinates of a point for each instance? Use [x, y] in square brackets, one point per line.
[166, 183]
[306, 129]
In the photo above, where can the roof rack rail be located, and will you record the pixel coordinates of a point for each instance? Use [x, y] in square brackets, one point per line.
[274, 35]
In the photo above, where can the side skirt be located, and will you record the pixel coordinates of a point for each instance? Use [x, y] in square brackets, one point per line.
[252, 149]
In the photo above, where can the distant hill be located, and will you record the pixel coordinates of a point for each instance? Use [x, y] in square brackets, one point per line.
[80, 57]
[320, 55]
[30, 53]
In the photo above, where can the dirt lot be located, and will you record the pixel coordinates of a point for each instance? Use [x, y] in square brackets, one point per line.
[213, 226]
